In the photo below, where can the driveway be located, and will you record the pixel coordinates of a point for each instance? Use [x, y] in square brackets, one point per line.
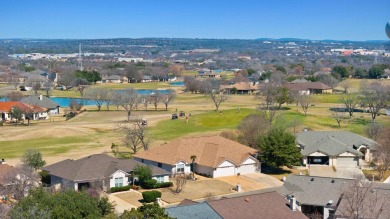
[322, 170]
[254, 181]
[349, 173]
[125, 200]
[341, 172]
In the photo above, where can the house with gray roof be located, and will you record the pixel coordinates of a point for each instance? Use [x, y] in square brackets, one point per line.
[334, 148]
[113, 79]
[260, 205]
[193, 211]
[98, 169]
[314, 195]
[42, 101]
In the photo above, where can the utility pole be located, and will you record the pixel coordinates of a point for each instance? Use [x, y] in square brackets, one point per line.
[80, 59]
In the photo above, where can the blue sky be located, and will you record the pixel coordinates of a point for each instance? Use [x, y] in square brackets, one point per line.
[224, 19]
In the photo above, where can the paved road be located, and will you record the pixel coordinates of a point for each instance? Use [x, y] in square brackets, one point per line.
[254, 181]
[341, 172]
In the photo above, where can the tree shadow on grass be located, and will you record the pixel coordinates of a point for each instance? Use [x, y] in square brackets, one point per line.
[274, 170]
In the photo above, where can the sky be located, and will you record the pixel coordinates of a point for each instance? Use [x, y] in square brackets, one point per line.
[219, 19]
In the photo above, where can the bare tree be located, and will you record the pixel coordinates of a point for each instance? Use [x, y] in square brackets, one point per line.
[350, 101]
[180, 182]
[21, 180]
[134, 136]
[128, 99]
[338, 114]
[375, 96]
[251, 127]
[99, 95]
[345, 85]
[66, 76]
[167, 98]
[305, 102]
[361, 199]
[13, 79]
[132, 73]
[270, 112]
[382, 153]
[80, 84]
[218, 98]
[48, 86]
[268, 91]
[374, 131]
[155, 99]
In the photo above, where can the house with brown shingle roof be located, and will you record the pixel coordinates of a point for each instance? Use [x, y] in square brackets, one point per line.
[99, 169]
[216, 156]
[36, 112]
[307, 88]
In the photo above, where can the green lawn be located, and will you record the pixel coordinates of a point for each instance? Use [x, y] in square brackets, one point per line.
[48, 146]
[210, 121]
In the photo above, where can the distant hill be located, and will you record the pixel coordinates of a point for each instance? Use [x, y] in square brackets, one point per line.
[325, 40]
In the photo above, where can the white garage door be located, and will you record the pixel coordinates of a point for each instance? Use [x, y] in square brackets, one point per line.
[348, 161]
[247, 168]
[224, 171]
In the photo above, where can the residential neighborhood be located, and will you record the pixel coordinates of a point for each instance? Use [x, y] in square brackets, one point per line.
[194, 109]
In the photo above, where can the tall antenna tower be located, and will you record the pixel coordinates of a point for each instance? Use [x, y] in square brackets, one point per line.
[80, 59]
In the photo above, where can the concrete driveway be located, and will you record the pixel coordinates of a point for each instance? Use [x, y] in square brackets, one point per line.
[322, 170]
[341, 172]
[254, 181]
[125, 200]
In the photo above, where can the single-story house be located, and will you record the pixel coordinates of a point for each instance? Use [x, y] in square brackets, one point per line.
[98, 169]
[313, 195]
[334, 148]
[112, 79]
[36, 112]
[306, 88]
[241, 87]
[146, 78]
[261, 205]
[216, 156]
[42, 101]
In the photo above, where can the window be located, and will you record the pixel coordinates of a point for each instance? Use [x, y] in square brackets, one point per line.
[159, 165]
[142, 160]
[119, 182]
[160, 179]
[180, 168]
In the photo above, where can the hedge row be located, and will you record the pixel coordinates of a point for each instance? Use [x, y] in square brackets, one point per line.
[153, 184]
[151, 196]
[120, 189]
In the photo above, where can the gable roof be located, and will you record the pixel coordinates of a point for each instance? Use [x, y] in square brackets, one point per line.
[209, 151]
[332, 142]
[314, 190]
[307, 86]
[7, 107]
[97, 166]
[40, 100]
[264, 205]
[195, 211]
[241, 86]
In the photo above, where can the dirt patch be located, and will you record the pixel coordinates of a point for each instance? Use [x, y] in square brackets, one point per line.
[197, 190]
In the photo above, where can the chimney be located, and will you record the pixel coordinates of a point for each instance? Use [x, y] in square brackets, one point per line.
[40, 97]
[3, 161]
[293, 204]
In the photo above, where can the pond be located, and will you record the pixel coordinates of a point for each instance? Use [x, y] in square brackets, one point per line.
[177, 83]
[65, 101]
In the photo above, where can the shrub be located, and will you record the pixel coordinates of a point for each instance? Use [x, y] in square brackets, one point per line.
[1, 123]
[119, 189]
[149, 184]
[163, 185]
[151, 196]
[45, 177]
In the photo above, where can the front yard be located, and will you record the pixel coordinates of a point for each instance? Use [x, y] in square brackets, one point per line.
[196, 190]
[373, 173]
